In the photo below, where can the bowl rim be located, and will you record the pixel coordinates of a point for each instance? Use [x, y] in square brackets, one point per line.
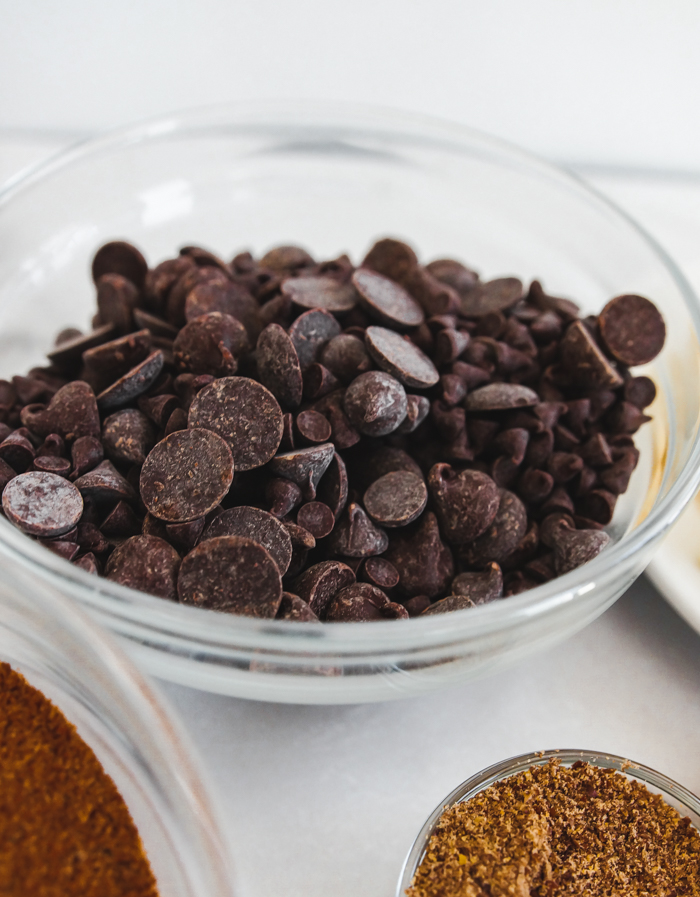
[148, 613]
[521, 762]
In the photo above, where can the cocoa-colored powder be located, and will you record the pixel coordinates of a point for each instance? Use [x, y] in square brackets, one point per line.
[65, 830]
[557, 830]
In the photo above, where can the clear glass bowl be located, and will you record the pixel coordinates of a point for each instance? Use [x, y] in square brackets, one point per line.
[682, 800]
[139, 744]
[334, 178]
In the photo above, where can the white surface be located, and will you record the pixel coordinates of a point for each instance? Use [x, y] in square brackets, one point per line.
[326, 801]
[593, 80]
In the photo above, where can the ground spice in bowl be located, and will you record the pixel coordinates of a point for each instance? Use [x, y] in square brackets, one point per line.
[564, 830]
[65, 830]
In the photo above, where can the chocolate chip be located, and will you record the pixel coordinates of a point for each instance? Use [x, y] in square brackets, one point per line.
[88, 563]
[210, 344]
[466, 502]
[283, 496]
[119, 257]
[104, 483]
[177, 298]
[305, 467]
[312, 427]
[42, 504]
[133, 383]
[161, 279]
[155, 325]
[51, 464]
[392, 258]
[375, 403]
[317, 518]
[333, 487]
[381, 573]
[417, 409]
[69, 352]
[424, 562]
[86, 454]
[286, 258]
[233, 574]
[320, 292]
[584, 361]
[145, 563]
[495, 295]
[447, 605]
[640, 391]
[320, 582]
[17, 451]
[501, 397]
[121, 521]
[356, 536]
[71, 413]
[278, 366]
[399, 357]
[480, 586]
[310, 333]
[386, 300]
[598, 505]
[361, 603]
[228, 298]
[245, 414]
[7, 473]
[346, 357]
[116, 299]
[111, 360]
[632, 329]
[293, 608]
[128, 436]
[318, 381]
[534, 485]
[503, 535]
[186, 475]
[260, 526]
[572, 547]
[396, 499]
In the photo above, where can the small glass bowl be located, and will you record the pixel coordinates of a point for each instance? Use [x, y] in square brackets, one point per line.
[334, 178]
[117, 713]
[678, 797]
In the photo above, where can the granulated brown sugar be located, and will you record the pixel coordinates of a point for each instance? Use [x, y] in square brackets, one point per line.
[556, 830]
[65, 830]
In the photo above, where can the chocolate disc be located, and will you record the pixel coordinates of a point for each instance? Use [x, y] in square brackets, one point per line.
[396, 499]
[632, 329]
[245, 414]
[186, 475]
[401, 358]
[260, 526]
[320, 292]
[42, 504]
[145, 563]
[387, 300]
[492, 296]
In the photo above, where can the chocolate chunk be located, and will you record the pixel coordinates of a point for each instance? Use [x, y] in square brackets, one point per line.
[245, 414]
[42, 504]
[493, 296]
[386, 300]
[502, 536]
[211, 344]
[466, 502]
[133, 383]
[424, 562]
[71, 413]
[116, 299]
[120, 257]
[321, 582]
[293, 608]
[104, 483]
[305, 467]
[278, 366]
[584, 361]
[260, 526]
[375, 403]
[310, 333]
[186, 475]
[361, 603]
[128, 436]
[233, 574]
[632, 329]
[501, 397]
[320, 292]
[356, 536]
[399, 357]
[145, 563]
[317, 518]
[396, 499]
[481, 586]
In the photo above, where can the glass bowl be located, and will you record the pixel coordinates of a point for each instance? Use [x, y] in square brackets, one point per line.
[333, 179]
[682, 800]
[50, 642]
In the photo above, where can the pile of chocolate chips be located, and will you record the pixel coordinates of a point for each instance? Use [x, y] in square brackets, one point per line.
[286, 438]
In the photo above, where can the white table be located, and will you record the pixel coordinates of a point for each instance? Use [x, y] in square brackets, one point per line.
[325, 801]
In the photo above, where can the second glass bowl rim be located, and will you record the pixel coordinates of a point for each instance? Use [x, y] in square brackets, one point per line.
[315, 117]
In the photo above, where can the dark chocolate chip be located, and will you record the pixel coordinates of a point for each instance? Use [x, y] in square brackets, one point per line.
[86, 453]
[632, 329]
[381, 573]
[120, 522]
[107, 362]
[417, 409]
[321, 582]
[155, 325]
[17, 451]
[503, 535]
[260, 526]
[69, 353]
[88, 563]
[598, 505]
[320, 292]
[293, 608]
[310, 333]
[317, 518]
[228, 298]
[104, 483]
[312, 428]
[305, 467]
[360, 603]
[356, 536]
[116, 299]
[501, 397]
[396, 499]
[286, 258]
[71, 413]
[318, 381]
[333, 487]
[278, 365]
[375, 403]
[211, 344]
[52, 464]
[233, 574]
[186, 475]
[133, 383]
[42, 504]
[584, 361]
[466, 502]
[481, 586]
[494, 295]
[145, 563]
[399, 357]
[283, 496]
[128, 436]
[346, 357]
[424, 562]
[386, 300]
[640, 391]
[120, 257]
[245, 414]
[573, 547]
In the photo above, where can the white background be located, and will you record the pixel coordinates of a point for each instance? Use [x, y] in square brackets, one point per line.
[323, 801]
[596, 81]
